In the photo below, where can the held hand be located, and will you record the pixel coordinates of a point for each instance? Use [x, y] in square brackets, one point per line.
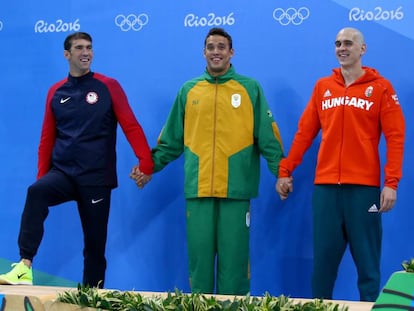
[388, 199]
[135, 172]
[143, 180]
[283, 186]
[139, 177]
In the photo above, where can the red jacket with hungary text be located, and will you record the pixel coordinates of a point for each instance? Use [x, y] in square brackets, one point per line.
[351, 120]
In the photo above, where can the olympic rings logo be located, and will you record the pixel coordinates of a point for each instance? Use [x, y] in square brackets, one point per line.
[131, 22]
[291, 15]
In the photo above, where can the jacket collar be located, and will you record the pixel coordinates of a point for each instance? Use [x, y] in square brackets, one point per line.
[228, 75]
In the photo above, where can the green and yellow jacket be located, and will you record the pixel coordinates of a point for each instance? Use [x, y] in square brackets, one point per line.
[222, 124]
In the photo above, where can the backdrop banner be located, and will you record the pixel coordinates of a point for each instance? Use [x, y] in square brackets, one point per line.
[152, 48]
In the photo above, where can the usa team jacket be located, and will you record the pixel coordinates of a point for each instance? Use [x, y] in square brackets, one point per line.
[351, 120]
[222, 125]
[79, 130]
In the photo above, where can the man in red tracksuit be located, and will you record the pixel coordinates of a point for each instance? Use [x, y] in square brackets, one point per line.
[77, 160]
[352, 108]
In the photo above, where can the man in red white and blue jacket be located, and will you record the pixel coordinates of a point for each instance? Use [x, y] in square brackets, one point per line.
[77, 160]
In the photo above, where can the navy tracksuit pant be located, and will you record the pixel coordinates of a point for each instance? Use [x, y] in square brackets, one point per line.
[93, 206]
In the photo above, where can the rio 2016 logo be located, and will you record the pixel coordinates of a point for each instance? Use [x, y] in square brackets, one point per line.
[58, 26]
[192, 20]
[377, 14]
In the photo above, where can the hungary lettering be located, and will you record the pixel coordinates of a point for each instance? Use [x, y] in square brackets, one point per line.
[346, 101]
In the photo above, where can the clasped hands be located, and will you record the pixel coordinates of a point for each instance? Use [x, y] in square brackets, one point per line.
[283, 186]
[139, 177]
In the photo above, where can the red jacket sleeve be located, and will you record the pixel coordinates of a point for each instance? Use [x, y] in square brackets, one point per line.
[47, 137]
[131, 128]
[393, 127]
[308, 127]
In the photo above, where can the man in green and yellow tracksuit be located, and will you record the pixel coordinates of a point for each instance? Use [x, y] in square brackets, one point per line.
[222, 123]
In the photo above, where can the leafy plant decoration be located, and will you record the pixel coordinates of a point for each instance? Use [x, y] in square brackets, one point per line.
[113, 300]
[408, 265]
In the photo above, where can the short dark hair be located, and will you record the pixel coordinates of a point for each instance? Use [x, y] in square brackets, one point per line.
[219, 32]
[75, 36]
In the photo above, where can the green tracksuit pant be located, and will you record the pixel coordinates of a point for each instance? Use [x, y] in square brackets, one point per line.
[342, 215]
[218, 245]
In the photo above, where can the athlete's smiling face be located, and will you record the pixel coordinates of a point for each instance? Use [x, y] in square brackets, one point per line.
[80, 57]
[349, 47]
[218, 54]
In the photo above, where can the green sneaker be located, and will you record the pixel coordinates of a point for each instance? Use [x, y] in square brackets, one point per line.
[19, 275]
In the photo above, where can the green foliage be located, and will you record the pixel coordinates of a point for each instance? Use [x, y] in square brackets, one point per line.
[114, 300]
[408, 265]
